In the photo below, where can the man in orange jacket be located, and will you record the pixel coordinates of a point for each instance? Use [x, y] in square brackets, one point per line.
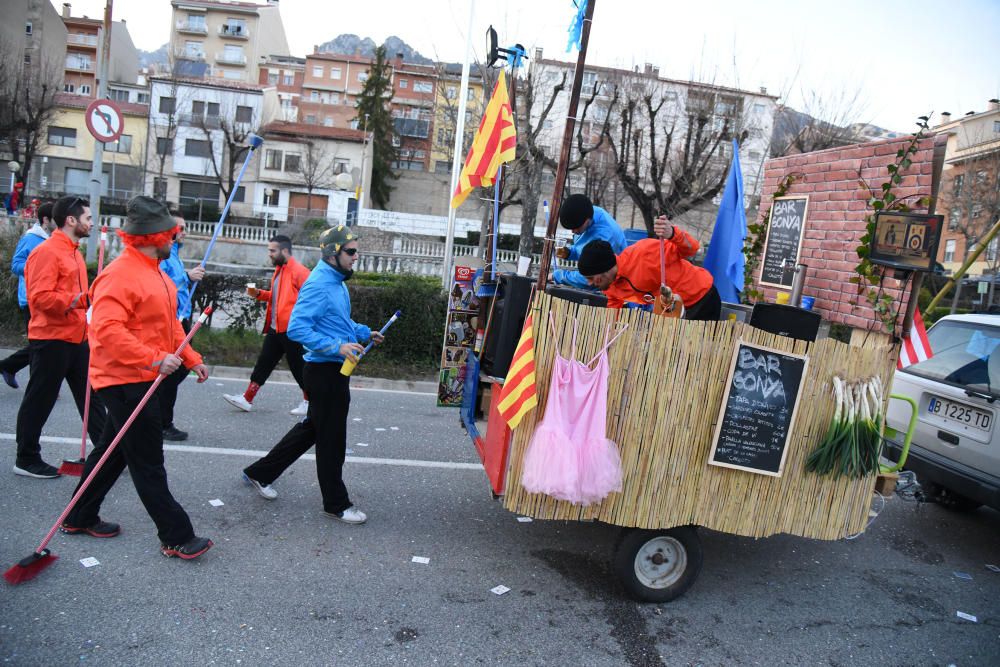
[288, 279]
[55, 278]
[634, 275]
[135, 332]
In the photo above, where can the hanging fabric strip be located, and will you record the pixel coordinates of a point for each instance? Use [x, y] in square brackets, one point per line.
[576, 27]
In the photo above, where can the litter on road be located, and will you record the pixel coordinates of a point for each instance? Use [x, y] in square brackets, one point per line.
[90, 561]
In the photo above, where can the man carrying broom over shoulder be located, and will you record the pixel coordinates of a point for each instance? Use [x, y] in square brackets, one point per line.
[635, 274]
[134, 331]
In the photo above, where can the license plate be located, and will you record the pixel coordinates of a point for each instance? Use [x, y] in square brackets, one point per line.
[960, 413]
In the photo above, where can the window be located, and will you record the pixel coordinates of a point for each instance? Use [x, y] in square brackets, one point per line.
[28, 28]
[272, 197]
[403, 83]
[341, 167]
[241, 194]
[991, 250]
[123, 145]
[62, 136]
[981, 177]
[292, 162]
[758, 108]
[27, 58]
[317, 70]
[164, 145]
[85, 89]
[194, 50]
[328, 121]
[959, 181]
[996, 126]
[198, 108]
[949, 250]
[232, 53]
[334, 98]
[311, 118]
[754, 156]
[234, 26]
[244, 114]
[197, 148]
[314, 96]
[197, 192]
[272, 159]
[335, 73]
[272, 78]
[954, 218]
[232, 74]
[451, 92]
[362, 76]
[196, 22]
[423, 87]
[167, 104]
[118, 95]
[160, 188]
[977, 210]
[142, 98]
[69, 88]
[288, 79]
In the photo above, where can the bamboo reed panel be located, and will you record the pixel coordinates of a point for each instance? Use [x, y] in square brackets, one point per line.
[664, 395]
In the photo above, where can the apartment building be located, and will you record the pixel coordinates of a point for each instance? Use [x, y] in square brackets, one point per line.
[969, 193]
[449, 84]
[285, 74]
[33, 33]
[412, 108]
[330, 89]
[83, 48]
[225, 40]
[197, 127]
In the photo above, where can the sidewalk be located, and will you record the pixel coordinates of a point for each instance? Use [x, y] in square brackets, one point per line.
[240, 373]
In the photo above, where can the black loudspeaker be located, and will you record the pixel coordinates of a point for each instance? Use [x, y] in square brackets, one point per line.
[509, 310]
[785, 320]
[581, 296]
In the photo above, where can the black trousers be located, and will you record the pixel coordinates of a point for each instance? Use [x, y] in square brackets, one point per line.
[275, 345]
[167, 391]
[326, 427]
[20, 359]
[708, 307]
[141, 449]
[53, 361]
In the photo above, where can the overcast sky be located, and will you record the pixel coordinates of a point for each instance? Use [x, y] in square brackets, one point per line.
[902, 58]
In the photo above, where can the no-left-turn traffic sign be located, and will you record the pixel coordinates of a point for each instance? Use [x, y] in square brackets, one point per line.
[104, 120]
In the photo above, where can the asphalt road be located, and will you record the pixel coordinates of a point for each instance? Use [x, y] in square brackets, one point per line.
[285, 585]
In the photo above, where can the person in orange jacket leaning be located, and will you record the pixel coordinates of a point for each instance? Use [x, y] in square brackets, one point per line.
[55, 278]
[289, 276]
[634, 275]
[135, 331]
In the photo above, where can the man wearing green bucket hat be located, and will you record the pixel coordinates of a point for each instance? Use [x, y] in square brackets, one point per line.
[321, 321]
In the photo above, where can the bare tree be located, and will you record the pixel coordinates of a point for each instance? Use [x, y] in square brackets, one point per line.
[27, 104]
[825, 121]
[232, 128]
[163, 134]
[971, 204]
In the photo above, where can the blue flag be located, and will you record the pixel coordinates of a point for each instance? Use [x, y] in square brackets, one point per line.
[576, 27]
[725, 259]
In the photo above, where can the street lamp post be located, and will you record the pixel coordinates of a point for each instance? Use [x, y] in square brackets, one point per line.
[13, 166]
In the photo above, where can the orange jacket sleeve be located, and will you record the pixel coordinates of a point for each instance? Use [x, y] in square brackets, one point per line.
[685, 244]
[109, 326]
[188, 354]
[264, 295]
[41, 280]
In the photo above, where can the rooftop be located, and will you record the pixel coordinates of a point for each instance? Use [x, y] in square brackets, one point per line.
[306, 130]
[213, 83]
[82, 102]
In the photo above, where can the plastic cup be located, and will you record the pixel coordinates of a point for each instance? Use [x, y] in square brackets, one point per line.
[807, 302]
[348, 367]
[783, 298]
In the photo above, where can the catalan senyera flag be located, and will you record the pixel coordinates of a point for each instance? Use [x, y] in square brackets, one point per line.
[518, 395]
[493, 145]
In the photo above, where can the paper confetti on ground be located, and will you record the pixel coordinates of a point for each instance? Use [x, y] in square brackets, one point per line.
[420, 559]
[215, 502]
[500, 590]
[89, 562]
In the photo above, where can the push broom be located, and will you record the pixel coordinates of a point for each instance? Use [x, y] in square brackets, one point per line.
[28, 568]
[72, 467]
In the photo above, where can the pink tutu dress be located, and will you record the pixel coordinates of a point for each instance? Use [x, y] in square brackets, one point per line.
[569, 456]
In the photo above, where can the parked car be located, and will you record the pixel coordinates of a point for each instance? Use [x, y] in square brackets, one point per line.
[956, 446]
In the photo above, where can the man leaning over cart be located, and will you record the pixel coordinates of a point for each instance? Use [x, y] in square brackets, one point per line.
[588, 223]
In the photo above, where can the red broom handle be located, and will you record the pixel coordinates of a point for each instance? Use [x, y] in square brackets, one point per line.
[86, 400]
[114, 443]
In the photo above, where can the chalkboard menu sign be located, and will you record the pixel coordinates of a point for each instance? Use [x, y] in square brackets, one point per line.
[784, 239]
[758, 409]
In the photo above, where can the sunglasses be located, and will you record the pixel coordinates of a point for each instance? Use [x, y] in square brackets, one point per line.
[350, 251]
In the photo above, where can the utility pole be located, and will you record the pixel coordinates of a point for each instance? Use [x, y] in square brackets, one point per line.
[96, 171]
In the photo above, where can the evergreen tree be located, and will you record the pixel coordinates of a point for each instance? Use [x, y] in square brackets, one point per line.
[374, 117]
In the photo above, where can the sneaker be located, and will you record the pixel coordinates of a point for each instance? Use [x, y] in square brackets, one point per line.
[193, 548]
[10, 379]
[351, 515]
[238, 401]
[264, 491]
[38, 470]
[97, 529]
[174, 434]
[301, 411]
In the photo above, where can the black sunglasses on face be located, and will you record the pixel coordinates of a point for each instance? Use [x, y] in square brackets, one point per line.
[350, 251]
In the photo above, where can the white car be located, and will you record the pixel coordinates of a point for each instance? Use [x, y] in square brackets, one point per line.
[955, 450]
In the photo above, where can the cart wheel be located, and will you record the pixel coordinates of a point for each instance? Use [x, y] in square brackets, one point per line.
[659, 565]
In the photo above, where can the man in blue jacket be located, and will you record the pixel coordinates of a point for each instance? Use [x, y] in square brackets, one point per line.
[182, 279]
[321, 322]
[588, 223]
[31, 240]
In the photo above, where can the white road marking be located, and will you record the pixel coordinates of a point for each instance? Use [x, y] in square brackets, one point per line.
[292, 384]
[226, 451]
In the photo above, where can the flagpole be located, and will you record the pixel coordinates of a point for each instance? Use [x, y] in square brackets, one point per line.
[496, 223]
[456, 161]
[567, 144]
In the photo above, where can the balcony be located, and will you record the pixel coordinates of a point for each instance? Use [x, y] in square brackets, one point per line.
[190, 54]
[191, 28]
[412, 127]
[82, 40]
[80, 65]
[234, 31]
[198, 120]
[230, 58]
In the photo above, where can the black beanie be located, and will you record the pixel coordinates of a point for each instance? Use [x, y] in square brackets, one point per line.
[596, 257]
[575, 211]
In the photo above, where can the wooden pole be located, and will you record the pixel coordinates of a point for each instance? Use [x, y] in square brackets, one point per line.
[567, 145]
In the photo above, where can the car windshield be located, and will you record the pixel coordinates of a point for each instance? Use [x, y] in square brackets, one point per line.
[965, 355]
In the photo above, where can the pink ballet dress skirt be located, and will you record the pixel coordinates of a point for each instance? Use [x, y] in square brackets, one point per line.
[569, 456]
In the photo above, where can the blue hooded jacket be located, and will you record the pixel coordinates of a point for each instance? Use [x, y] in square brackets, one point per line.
[604, 227]
[31, 240]
[174, 268]
[321, 319]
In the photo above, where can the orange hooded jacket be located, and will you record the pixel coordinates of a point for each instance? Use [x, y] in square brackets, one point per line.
[639, 271]
[134, 322]
[55, 277]
[292, 276]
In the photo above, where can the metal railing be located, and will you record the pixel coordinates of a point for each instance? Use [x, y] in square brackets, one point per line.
[194, 28]
[79, 65]
[239, 32]
[87, 40]
[189, 54]
[230, 58]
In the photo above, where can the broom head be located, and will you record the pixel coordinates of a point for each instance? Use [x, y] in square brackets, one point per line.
[29, 568]
[73, 468]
